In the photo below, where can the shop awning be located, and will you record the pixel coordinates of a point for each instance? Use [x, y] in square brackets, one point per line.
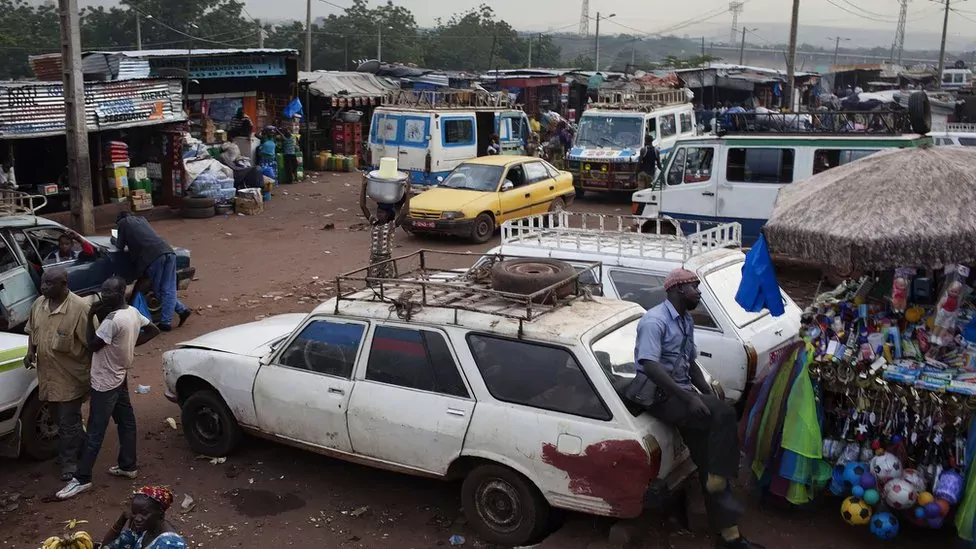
[347, 88]
[36, 109]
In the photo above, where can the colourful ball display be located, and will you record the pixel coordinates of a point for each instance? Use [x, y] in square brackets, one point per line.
[871, 496]
[925, 498]
[886, 467]
[884, 526]
[916, 478]
[857, 492]
[868, 481]
[853, 472]
[932, 510]
[943, 507]
[900, 494]
[920, 513]
[855, 511]
[934, 523]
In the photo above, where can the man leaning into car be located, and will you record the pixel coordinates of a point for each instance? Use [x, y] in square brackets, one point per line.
[58, 347]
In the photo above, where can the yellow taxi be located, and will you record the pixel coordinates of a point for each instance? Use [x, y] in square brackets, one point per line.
[482, 193]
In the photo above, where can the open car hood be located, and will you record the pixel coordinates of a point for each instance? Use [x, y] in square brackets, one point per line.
[251, 339]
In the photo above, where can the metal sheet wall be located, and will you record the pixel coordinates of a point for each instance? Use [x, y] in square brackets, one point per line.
[37, 109]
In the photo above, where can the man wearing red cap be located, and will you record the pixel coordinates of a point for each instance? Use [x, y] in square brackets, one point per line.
[671, 387]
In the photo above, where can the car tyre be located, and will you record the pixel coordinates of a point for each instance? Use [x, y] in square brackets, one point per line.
[556, 207]
[38, 430]
[920, 112]
[483, 228]
[528, 276]
[200, 202]
[209, 425]
[198, 213]
[504, 507]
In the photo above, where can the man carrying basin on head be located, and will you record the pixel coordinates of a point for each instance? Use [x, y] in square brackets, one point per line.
[670, 386]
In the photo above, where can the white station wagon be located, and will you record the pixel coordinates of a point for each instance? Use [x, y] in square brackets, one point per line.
[434, 374]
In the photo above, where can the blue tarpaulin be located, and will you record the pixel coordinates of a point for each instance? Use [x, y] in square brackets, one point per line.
[759, 289]
[294, 108]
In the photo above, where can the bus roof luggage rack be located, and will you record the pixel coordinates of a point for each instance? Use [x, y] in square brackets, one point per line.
[617, 235]
[880, 122]
[20, 203]
[639, 100]
[961, 127]
[412, 282]
[446, 99]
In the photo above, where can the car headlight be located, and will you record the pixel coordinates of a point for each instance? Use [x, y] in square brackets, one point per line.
[452, 215]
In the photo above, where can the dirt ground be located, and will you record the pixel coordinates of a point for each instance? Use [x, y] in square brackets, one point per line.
[269, 495]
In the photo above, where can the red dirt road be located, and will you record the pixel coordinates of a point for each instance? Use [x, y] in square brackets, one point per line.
[269, 495]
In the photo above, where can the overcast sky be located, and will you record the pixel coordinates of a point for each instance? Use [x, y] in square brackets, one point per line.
[708, 17]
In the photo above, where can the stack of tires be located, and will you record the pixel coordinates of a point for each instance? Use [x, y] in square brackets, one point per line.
[197, 207]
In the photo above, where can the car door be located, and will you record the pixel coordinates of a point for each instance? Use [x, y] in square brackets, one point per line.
[647, 290]
[303, 393]
[411, 405]
[516, 201]
[459, 139]
[540, 186]
[18, 289]
[689, 190]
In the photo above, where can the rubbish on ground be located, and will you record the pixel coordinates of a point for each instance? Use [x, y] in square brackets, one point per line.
[188, 504]
[456, 540]
[358, 512]
[143, 389]
[171, 422]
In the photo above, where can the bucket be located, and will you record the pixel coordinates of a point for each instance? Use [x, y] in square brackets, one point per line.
[386, 190]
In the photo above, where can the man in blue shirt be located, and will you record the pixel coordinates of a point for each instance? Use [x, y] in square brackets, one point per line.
[671, 387]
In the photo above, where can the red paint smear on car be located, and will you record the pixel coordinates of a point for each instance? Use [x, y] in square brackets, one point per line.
[616, 471]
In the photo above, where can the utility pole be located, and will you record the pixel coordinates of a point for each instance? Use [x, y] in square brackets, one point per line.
[596, 61]
[837, 40]
[76, 129]
[379, 42]
[942, 50]
[260, 33]
[308, 36]
[138, 31]
[791, 56]
[742, 48]
[529, 65]
[345, 53]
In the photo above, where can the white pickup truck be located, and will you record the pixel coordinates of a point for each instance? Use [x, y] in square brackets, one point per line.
[736, 346]
[26, 424]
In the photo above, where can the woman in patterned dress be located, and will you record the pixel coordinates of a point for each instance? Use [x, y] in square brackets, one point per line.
[144, 525]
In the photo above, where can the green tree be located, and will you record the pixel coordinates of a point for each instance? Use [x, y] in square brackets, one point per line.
[475, 40]
[25, 30]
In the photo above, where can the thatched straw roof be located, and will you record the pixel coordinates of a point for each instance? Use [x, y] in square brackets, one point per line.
[906, 207]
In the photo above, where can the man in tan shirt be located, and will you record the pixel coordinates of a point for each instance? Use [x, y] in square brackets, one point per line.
[58, 348]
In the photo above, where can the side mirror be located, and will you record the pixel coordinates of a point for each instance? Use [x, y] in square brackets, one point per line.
[507, 185]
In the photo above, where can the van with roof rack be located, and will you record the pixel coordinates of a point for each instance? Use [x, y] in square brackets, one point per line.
[508, 375]
[431, 132]
[734, 176]
[736, 346]
[606, 150]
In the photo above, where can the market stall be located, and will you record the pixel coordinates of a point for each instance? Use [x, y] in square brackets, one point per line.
[874, 403]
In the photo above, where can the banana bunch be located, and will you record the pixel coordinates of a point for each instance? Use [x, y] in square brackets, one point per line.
[70, 540]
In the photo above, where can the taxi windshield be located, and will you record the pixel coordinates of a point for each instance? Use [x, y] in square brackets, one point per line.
[619, 132]
[474, 177]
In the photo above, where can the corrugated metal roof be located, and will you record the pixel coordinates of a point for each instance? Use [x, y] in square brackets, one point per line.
[346, 84]
[146, 54]
[35, 109]
[726, 67]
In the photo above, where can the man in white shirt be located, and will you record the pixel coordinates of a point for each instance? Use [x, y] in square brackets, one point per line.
[120, 329]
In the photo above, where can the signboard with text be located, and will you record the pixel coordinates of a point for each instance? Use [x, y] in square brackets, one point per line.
[225, 66]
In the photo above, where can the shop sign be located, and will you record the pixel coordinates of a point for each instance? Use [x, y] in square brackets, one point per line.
[226, 67]
[39, 110]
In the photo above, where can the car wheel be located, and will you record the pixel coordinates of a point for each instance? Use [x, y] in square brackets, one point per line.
[209, 425]
[484, 228]
[38, 430]
[528, 276]
[503, 506]
[198, 213]
[556, 207]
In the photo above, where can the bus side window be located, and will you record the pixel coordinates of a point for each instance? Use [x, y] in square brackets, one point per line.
[677, 168]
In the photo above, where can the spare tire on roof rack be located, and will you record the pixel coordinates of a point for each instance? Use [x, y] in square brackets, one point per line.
[920, 112]
[528, 276]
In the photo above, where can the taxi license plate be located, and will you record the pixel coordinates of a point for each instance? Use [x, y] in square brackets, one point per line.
[50, 189]
[423, 224]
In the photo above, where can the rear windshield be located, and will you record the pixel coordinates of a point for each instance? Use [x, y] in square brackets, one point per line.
[615, 351]
[725, 283]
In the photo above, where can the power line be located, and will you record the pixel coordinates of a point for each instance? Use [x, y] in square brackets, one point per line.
[856, 14]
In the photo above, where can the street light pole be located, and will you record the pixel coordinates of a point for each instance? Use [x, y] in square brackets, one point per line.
[138, 31]
[791, 56]
[379, 43]
[837, 40]
[942, 49]
[742, 47]
[596, 61]
[529, 65]
[308, 36]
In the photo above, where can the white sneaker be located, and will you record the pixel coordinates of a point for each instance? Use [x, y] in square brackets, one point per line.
[73, 489]
[117, 471]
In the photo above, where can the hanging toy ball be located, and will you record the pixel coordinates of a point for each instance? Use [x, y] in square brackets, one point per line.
[853, 472]
[868, 481]
[900, 494]
[925, 498]
[871, 496]
[920, 513]
[932, 510]
[949, 487]
[884, 526]
[915, 477]
[855, 511]
[857, 492]
[886, 467]
[943, 507]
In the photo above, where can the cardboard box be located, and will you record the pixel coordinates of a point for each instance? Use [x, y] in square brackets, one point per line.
[141, 204]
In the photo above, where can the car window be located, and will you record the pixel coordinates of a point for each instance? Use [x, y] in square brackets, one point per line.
[26, 247]
[458, 131]
[535, 172]
[545, 377]
[667, 125]
[686, 125]
[967, 141]
[614, 351]
[46, 242]
[691, 165]
[475, 177]
[588, 277]
[644, 289]
[516, 176]
[416, 359]
[325, 347]
[8, 260]
[553, 172]
[754, 165]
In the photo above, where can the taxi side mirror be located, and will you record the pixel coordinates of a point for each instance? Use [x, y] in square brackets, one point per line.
[507, 185]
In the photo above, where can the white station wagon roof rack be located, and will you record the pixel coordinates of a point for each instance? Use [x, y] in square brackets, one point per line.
[446, 99]
[20, 203]
[411, 282]
[617, 235]
[960, 127]
[640, 100]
